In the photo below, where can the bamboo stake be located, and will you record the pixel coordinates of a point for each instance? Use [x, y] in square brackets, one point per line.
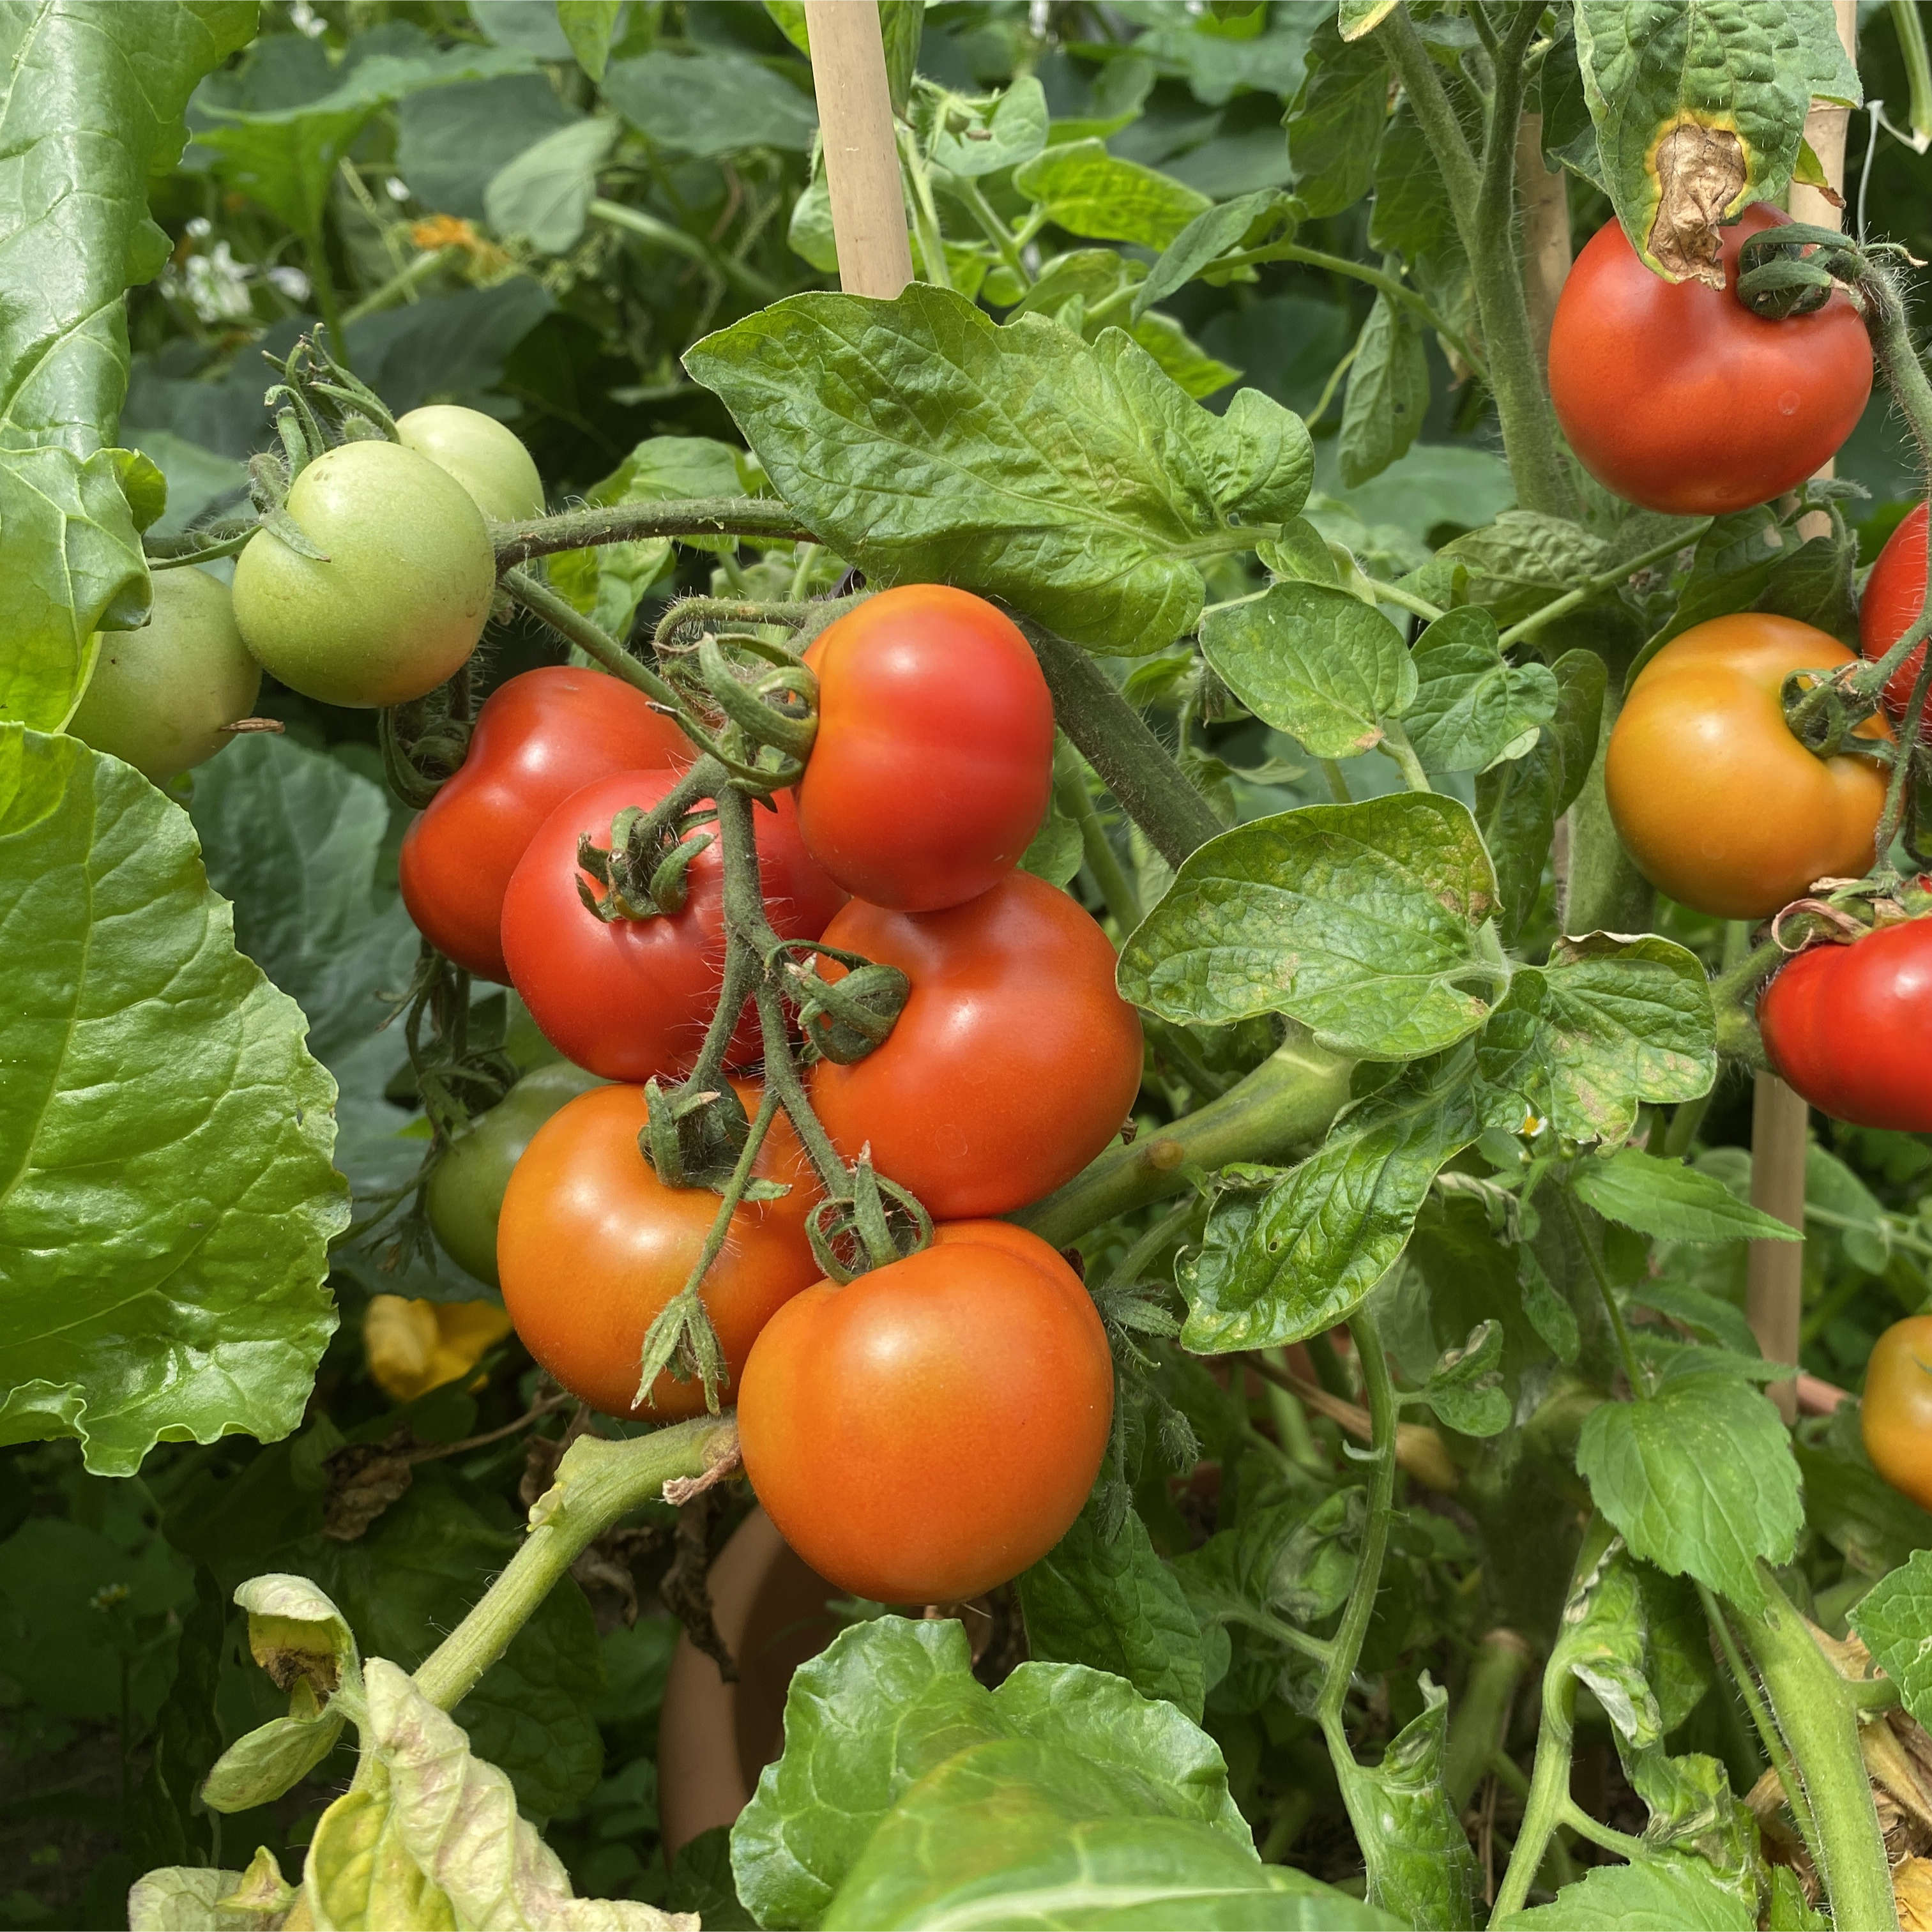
[1775, 1277]
[1546, 231]
[861, 157]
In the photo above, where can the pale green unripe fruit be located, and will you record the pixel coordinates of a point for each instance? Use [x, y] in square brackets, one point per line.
[159, 695]
[401, 601]
[489, 460]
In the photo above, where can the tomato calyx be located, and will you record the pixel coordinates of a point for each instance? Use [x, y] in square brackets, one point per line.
[1795, 269]
[872, 1223]
[694, 1135]
[424, 743]
[846, 1018]
[753, 707]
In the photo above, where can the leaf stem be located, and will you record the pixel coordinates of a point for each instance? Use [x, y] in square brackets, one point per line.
[648, 228]
[1626, 1348]
[1069, 787]
[1404, 600]
[1590, 586]
[1396, 743]
[589, 636]
[762, 519]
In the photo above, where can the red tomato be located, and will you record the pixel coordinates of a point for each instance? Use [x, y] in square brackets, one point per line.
[1894, 593]
[1014, 1062]
[933, 1427]
[630, 999]
[591, 1246]
[1850, 1027]
[934, 759]
[1674, 395]
[539, 738]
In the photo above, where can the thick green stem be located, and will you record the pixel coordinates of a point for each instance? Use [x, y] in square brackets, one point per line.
[1069, 787]
[1287, 1102]
[1818, 1714]
[1478, 1729]
[763, 519]
[1117, 742]
[598, 1483]
[1395, 742]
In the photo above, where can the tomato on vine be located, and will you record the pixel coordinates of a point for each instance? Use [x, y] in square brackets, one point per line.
[1677, 396]
[489, 460]
[1895, 1410]
[464, 1196]
[931, 1428]
[1013, 1064]
[933, 760]
[1894, 594]
[160, 696]
[1718, 803]
[539, 737]
[592, 1246]
[1849, 1026]
[400, 600]
[630, 998]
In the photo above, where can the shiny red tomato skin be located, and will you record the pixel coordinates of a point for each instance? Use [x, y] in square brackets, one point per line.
[933, 760]
[1675, 396]
[539, 737]
[630, 999]
[1014, 1062]
[591, 1246]
[931, 1428]
[1894, 594]
[1849, 1027]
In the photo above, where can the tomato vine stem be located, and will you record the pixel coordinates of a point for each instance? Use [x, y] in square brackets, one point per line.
[764, 519]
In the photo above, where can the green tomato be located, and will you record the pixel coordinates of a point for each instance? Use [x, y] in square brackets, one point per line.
[465, 1194]
[159, 696]
[400, 603]
[486, 459]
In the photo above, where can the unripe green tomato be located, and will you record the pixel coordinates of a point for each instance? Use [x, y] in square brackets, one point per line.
[465, 1194]
[159, 695]
[489, 460]
[400, 602]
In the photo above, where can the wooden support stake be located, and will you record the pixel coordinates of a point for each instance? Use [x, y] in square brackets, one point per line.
[1775, 1277]
[861, 156]
[1546, 231]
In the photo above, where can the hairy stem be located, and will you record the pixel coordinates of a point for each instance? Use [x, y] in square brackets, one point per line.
[564, 617]
[763, 519]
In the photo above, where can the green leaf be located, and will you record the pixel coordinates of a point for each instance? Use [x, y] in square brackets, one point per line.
[1663, 1892]
[1473, 708]
[1894, 1619]
[1388, 393]
[1852, 1506]
[1360, 921]
[711, 103]
[1672, 1202]
[1699, 1478]
[1019, 1832]
[1420, 1865]
[1058, 849]
[196, 1161]
[1410, 216]
[1006, 135]
[1016, 461]
[588, 25]
[95, 101]
[1335, 120]
[544, 194]
[1607, 1023]
[1233, 224]
[901, 23]
[1466, 1390]
[1111, 1603]
[451, 141]
[1314, 661]
[1084, 189]
[187, 1898]
[1280, 1265]
[1523, 561]
[1699, 110]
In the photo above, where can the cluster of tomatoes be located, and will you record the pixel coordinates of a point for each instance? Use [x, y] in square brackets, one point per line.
[933, 1425]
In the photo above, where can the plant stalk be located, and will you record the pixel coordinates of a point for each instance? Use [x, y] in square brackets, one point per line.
[763, 519]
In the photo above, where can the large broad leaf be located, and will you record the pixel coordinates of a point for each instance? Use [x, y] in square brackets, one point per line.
[92, 107]
[1363, 922]
[1281, 1263]
[1665, 1889]
[1699, 106]
[544, 193]
[711, 103]
[1698, 1477]
[1089, 192]
[924, 442]
[164, 1136]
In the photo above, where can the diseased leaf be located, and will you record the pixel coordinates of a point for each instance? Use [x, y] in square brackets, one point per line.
[1672, 1202]
[164, 1136]
[1085, 190]
[1466, 1388]
[1388, 393]
[1473, 707]
[187, 1898]
[926, 443]
[1361, 921]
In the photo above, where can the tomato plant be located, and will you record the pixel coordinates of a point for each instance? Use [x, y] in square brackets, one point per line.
[929, 1429]
[1679, 398]
[485, 457]
[1014, 1062]
[1717, 802]
[539, 737]
[934, 759]
[591, 1246]
[629, 997]
[395, 602]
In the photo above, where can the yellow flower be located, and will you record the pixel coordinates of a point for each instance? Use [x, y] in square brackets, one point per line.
[415, 1346]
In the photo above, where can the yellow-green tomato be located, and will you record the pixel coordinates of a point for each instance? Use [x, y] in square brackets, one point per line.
[401, 602]
[486, 459]
[160, 696]
[465, 1194]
